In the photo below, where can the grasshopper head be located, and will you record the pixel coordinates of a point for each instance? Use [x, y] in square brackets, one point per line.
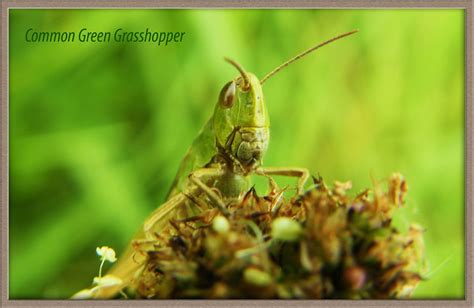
[241, 120]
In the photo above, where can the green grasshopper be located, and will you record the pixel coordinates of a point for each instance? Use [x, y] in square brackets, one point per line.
[227, 151]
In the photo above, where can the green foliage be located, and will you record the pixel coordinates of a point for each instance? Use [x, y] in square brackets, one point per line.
[97, 130]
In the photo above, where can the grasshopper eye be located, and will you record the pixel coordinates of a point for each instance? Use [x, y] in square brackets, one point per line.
[227, 95]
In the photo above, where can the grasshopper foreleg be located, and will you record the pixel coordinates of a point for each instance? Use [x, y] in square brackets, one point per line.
[202, 176]
[198, 177]
[301, 173]
[271, 182]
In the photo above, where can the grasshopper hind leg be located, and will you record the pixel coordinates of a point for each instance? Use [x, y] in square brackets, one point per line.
[135, 257]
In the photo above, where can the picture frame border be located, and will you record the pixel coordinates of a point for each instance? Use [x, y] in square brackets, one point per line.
[467, 6]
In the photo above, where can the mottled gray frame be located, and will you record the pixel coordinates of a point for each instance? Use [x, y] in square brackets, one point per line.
[466, 5]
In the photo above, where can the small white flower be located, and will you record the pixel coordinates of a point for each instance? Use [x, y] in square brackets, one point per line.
[220, 224]
[286, 229]
[106, 253]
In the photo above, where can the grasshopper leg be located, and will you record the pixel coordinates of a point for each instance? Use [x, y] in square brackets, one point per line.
[301, 173]
[200, 176]
[131, 262]
[162, 214]
[273, 186]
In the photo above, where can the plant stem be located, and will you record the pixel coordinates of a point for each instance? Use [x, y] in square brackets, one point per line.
[100, 268]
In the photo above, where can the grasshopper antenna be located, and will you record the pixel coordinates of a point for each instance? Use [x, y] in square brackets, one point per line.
[241, 70]
[304, 53]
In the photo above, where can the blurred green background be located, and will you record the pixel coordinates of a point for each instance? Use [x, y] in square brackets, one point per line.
[97, 130]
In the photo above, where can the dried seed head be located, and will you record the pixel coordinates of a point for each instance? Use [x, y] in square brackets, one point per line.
[323, 244]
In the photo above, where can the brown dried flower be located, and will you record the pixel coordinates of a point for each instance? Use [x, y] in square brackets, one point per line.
[323, 244]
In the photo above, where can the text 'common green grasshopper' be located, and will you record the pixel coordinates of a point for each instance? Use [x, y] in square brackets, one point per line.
[227, 151]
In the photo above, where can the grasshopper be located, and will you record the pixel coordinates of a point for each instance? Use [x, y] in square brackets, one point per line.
[227, 151]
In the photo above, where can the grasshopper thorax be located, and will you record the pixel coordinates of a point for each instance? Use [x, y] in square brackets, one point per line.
[241, 122]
